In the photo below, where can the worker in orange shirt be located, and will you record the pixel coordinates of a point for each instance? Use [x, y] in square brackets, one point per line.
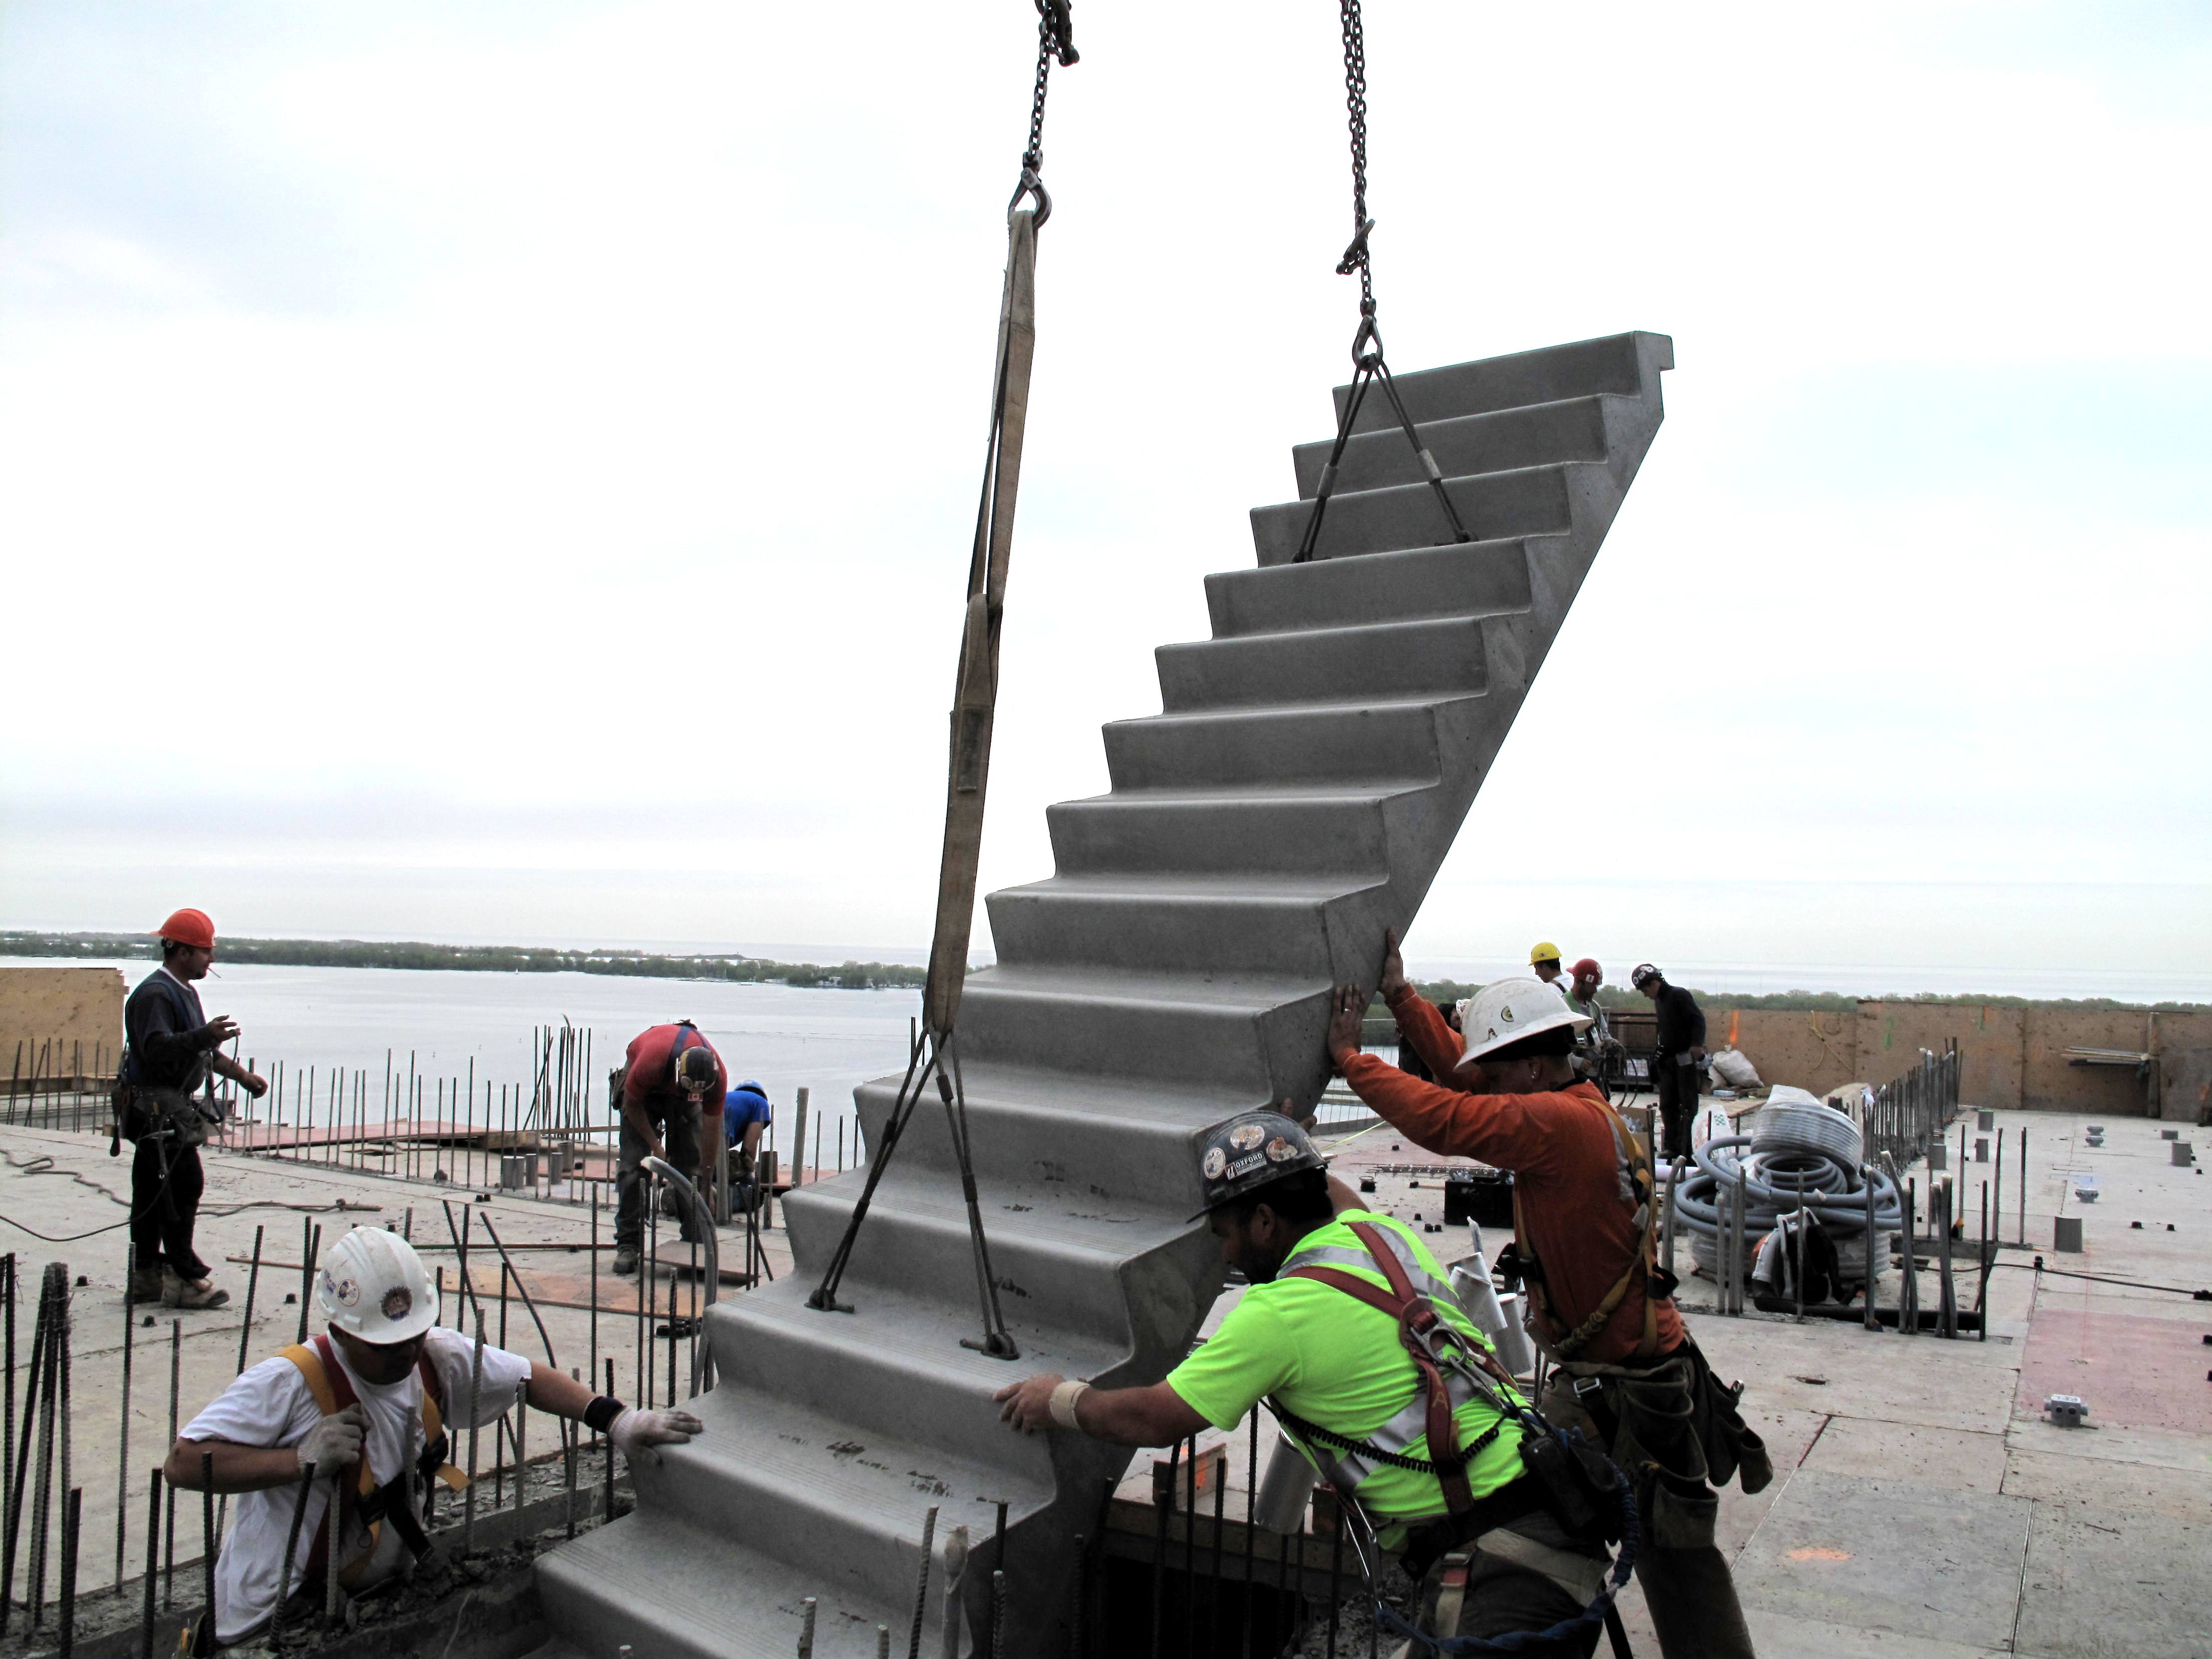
[1585, 1208]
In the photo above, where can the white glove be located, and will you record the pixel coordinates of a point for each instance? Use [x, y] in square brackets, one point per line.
[334, 1444]
[639, 1431]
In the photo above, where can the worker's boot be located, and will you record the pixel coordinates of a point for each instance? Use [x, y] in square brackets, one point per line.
[145, 1285]
[189, 1295]
[626, 1259]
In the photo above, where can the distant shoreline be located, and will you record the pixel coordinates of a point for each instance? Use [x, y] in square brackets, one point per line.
[739, 969]
[489, 958]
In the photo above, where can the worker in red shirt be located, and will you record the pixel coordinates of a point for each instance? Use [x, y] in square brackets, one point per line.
[670, 1072]
[1585, 1208]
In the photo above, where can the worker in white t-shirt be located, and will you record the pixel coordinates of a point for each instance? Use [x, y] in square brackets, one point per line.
[364, 1385]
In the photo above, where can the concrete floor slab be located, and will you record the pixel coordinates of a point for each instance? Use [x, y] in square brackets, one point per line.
[1952, 1459]
[2150, 1448]
[1780, 1634]
[2116, 1580]
[1845, 1369]
[1892, 1556]
[2136, 1373]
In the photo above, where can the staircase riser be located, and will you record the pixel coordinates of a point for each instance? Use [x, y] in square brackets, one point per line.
[1434, 658]
[1299, 837]
[1096, 1155]
[1230, 748]
[1457, 579]
[1040, 1283]
[1173, 934]
[1624, 363]
[1536, 502]
[1466, 446]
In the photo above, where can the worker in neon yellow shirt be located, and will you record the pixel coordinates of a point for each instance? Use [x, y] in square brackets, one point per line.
[1474, 1527]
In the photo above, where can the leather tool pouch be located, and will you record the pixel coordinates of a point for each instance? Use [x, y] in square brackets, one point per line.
[1581, 1486]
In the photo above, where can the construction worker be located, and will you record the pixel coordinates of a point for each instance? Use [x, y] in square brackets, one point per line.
[669, 1073]
[1594, 1047]
[173, 1048]
[1319, 1336]
[367, 1408]
[1544, 962]
[746, 1113]
[1678, 1051]
[1585, 1217]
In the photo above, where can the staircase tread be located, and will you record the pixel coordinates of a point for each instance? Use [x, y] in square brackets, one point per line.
[1290, 793]
[1251, 993]
[836, 1465]
[1422, 486]
[1405, 702]
[920, 1334]
[1033, 1088]
[1258, 887]
[1457, 616]
[1060, 1213]
[733, 1609]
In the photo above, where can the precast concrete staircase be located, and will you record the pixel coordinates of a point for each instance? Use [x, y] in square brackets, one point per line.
[1312, 765]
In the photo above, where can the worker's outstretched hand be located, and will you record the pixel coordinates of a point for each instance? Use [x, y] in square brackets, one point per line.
[1394, 978]
[1027, 1405]
[638, 1432]
[334, 1444]
[1347, 1014]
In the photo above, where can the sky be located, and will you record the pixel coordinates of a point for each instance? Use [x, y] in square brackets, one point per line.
[505, 471]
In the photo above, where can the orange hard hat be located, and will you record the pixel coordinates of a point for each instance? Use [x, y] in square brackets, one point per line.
[188, 927]
[1587, 969]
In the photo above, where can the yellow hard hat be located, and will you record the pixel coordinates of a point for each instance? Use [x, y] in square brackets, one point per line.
[1546, 951]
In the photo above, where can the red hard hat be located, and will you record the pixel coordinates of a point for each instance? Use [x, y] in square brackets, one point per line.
[1587, 969]
[189, 928]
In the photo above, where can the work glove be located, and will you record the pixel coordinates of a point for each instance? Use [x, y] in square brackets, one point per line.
[334, 1444]
[638, 1432]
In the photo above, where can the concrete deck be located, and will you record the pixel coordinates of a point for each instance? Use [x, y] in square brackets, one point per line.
[1921, 1506]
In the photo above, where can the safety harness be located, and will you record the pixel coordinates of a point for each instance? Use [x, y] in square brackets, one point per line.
[362, 1501]
[1639, 1187]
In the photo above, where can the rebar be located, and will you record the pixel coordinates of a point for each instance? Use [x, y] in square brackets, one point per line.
[252, 1283]
[334, 1519]
[998, 1614]
[19, 1473]
[922, 1590]
[806, 1629]
[1873, 1319]
[1190, 1544]
[72, 1518]
[169, 1528]
[291, 1548]
[476, 1399]
[153, 1565]
[210, 1530]
[1163, 1502]
[1251, 1524]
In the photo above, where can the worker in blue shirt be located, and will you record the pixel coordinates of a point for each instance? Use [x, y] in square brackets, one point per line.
[745, 1114]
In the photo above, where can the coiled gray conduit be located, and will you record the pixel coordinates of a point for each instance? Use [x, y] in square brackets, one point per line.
[1834, 1192]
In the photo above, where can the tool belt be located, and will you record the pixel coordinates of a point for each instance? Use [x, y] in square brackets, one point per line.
[143, 1111]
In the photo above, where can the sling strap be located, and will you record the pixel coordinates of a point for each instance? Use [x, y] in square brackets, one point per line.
[361, 1501]
[1436, 1401]
[1551, 1330]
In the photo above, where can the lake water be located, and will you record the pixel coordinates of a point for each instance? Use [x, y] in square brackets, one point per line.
[445, 1022]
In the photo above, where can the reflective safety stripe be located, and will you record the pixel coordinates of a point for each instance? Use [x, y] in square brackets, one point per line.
[1346, 1469]
[1331, 1255]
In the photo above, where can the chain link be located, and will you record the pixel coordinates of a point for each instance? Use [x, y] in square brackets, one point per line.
[1055, 39]
[1355, 103]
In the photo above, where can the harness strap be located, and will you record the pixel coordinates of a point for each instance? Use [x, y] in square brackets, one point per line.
[1416, 1317]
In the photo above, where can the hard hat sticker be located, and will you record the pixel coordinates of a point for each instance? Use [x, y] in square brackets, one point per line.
[1505, 1012]
[399, 1302]
[1279, 1149]
[348, 1293]
[1245, 1136]
[1215, 1162]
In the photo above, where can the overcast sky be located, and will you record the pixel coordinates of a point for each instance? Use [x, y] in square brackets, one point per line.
[504, 471]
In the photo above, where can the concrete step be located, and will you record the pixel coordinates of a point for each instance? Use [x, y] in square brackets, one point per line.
[1531, 501]
[1337, 741]
[1573, 430]
[1056, 1251]
[1208, 924]
[671, 1589]
[1102, 1138]
[1624, 363]
[1246, 829]
[893, 1369]
[1457, 578]
[1434, 657]
[1176, 1031]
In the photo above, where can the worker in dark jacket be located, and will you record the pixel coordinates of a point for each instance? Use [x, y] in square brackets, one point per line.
[174, 1045]
[1680, 1047]
[670, 1072]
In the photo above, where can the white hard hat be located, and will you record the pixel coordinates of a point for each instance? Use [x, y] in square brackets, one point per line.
[1507, 1010]
[373, 1285]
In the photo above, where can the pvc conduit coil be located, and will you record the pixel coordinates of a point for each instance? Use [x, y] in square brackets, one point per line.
[1835, 1194]
[1795, 1127]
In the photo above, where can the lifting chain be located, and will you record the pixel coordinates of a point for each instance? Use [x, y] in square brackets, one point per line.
[1367, 343]
[1055, 39]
